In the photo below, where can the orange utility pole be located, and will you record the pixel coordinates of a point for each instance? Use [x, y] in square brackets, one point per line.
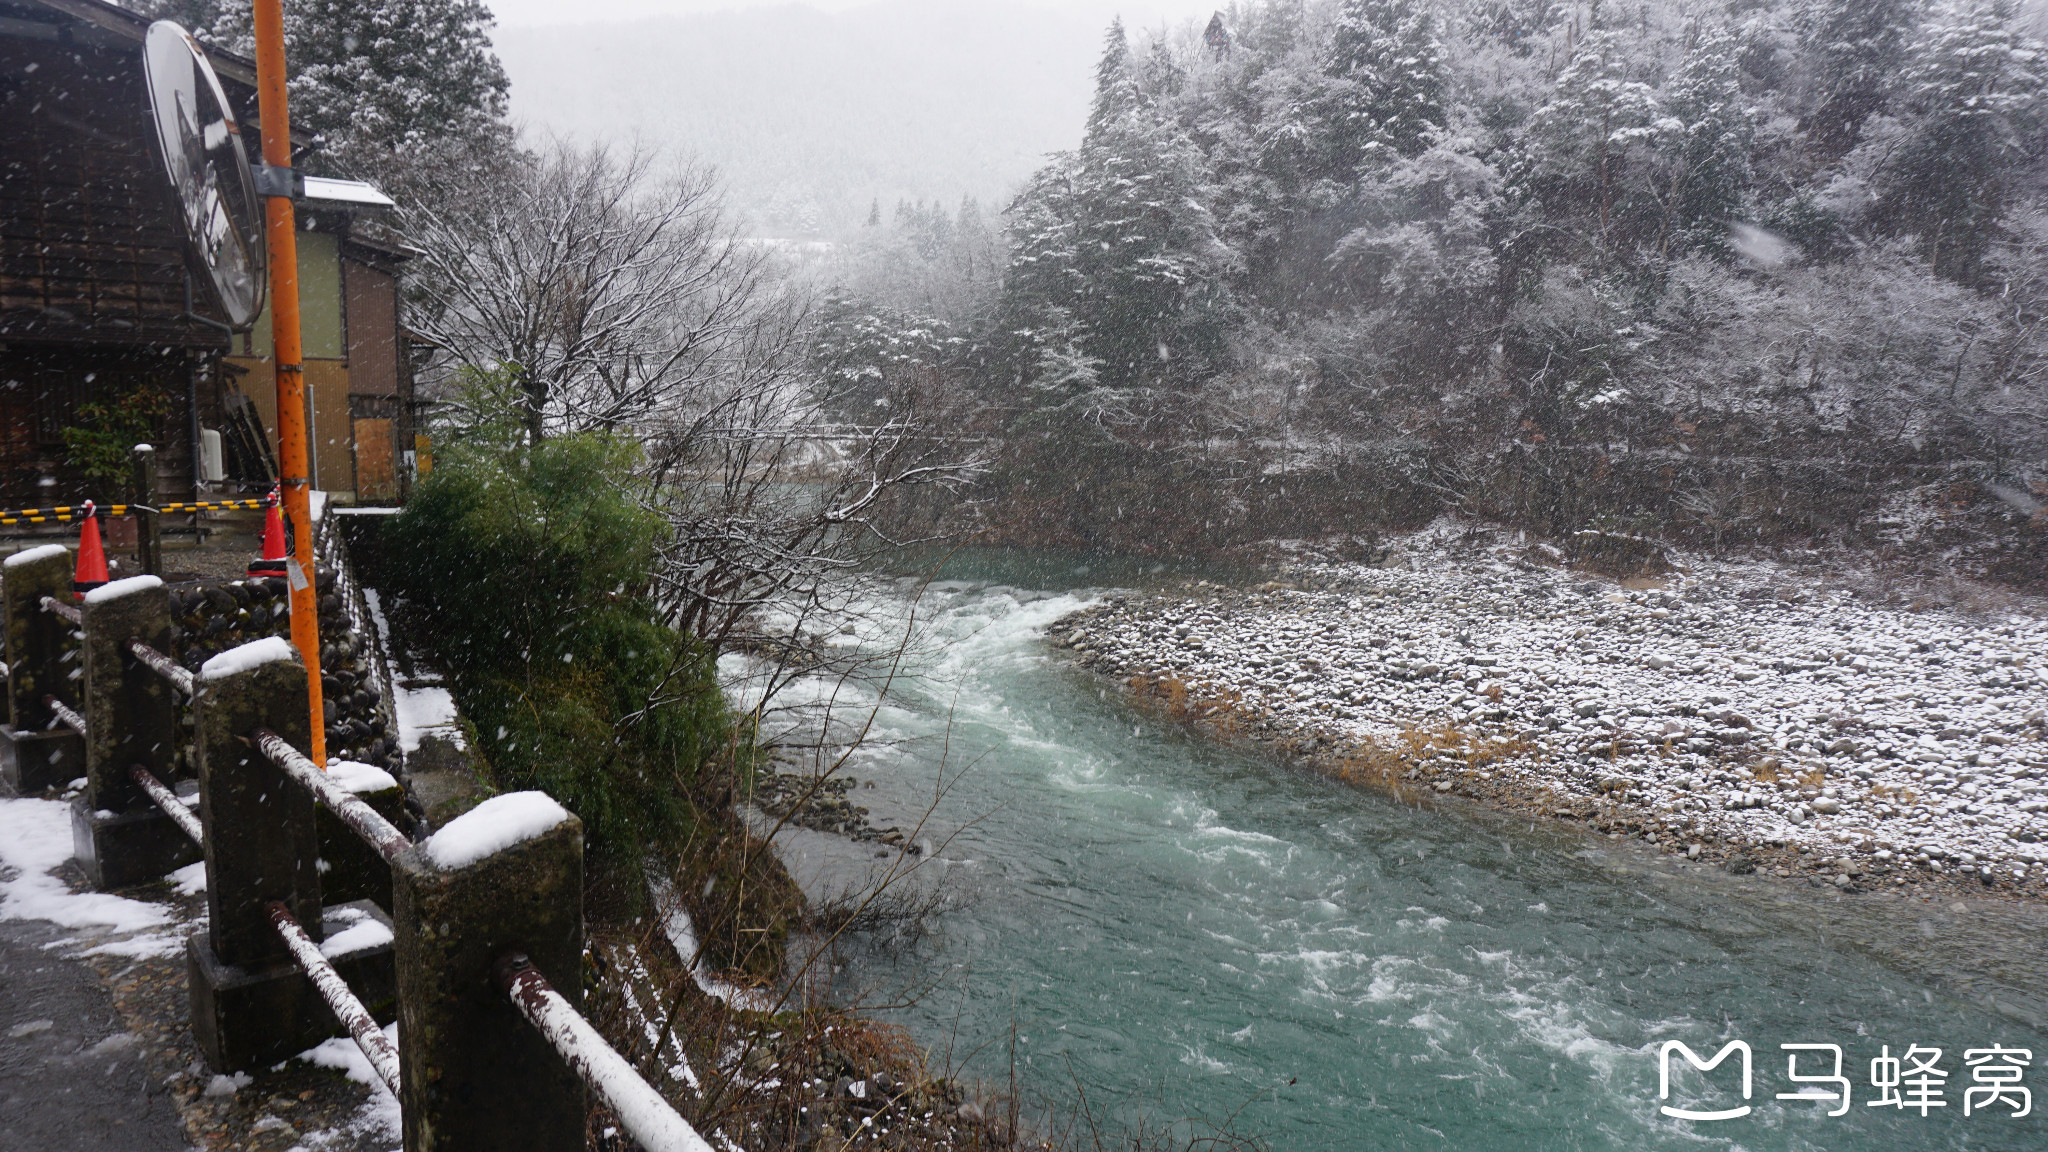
[282, 226]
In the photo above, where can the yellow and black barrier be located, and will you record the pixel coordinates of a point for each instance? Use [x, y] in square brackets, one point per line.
[65, 513]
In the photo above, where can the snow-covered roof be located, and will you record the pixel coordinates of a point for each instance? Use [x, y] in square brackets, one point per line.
[346, 192]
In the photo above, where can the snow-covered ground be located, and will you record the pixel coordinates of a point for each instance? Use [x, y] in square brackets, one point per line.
[35, 845]
[1729, 703]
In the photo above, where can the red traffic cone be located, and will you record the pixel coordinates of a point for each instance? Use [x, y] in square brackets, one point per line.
[92, 558]
[271, 563]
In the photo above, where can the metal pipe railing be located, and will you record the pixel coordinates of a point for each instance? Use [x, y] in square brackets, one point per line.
[63, 712]
[163, 665]
[642, 1111]
[67, 611]
[182, 816]
[362, 819]
[333, 989]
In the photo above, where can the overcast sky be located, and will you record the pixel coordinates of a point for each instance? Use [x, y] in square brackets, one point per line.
[532, 13]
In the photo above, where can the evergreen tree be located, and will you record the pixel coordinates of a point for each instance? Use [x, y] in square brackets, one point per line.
[382, 84]
[1117, 280]
[1973, 86]
[1705, 138]
[1853, 49]
[1116, 89]
[1388, 65]
[1574, 161]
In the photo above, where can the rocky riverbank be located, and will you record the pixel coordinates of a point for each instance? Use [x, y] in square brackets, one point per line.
[1741, 713]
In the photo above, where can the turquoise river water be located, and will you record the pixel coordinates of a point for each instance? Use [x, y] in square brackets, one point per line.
[1180, 930]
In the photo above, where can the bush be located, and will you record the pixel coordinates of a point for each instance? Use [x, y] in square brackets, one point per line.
[530, 566]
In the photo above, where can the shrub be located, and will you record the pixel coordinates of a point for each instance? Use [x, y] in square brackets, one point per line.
[530, 566]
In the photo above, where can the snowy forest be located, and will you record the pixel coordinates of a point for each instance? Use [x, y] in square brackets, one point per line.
[1753, 274]
[1740, 274]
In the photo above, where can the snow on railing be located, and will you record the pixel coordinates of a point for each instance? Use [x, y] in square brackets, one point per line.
[361, 819]
[69, 612]
[162, 665]
[63, 712]
[643, 1112]
[332, 988]
[183, 817]
[505, 877]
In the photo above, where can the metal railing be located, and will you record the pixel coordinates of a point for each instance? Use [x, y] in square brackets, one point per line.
[164, 798]
[642, 1111]
[362, 1026]
[555, 1020]
[63, 712]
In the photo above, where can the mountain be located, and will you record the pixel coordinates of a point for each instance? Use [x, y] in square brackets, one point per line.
[813, 115]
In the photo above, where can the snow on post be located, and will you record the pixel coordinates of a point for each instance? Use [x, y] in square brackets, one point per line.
[116, 589]
[131, 714]
[505, 877]
[493, 826]
[30, 555]
[254, 654]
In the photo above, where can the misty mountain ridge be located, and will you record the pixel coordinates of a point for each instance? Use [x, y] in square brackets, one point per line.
[811, 117]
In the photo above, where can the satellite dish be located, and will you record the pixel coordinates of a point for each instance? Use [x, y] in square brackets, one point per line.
[201, 146]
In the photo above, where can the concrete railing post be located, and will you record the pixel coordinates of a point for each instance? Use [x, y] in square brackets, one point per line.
[34, 756]
[119, 836]
[477, 1076]
[251, 1006]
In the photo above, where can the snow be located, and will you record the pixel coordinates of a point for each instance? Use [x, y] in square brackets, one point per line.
[346, 192]
[682, 934]
[31, 555]
[380, 1116]
[316, 505]
[191, 879]
[368, 932]
[360, 778]
[493, 826]
[422, 712]
[254, 654]
[1738, 702]
[35, 841]
[114, 590]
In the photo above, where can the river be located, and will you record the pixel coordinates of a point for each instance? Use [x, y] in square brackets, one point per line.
[1175, 929]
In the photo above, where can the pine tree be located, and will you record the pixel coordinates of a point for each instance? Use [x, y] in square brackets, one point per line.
[1853, 49]
[1117, 282]
[382, 84]
[1972, 84]
[1116, 89]
[1574, 158]
[1388, 65]
[1705, 137]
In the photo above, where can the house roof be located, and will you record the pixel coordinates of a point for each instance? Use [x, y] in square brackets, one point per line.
[114, 20]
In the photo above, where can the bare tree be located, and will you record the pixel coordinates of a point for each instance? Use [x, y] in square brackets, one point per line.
[593, 293]
[601, 290]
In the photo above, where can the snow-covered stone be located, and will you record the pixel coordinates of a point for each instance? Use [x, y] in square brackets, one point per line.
[115, 589]
[493, 826]
[1740, 714]
[242, 658]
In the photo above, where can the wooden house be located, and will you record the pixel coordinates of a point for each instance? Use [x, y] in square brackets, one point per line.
[98, 305]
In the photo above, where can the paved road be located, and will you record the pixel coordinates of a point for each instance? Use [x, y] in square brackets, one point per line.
[71, 1078]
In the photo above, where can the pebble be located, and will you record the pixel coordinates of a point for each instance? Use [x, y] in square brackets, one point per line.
[1713, 708]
